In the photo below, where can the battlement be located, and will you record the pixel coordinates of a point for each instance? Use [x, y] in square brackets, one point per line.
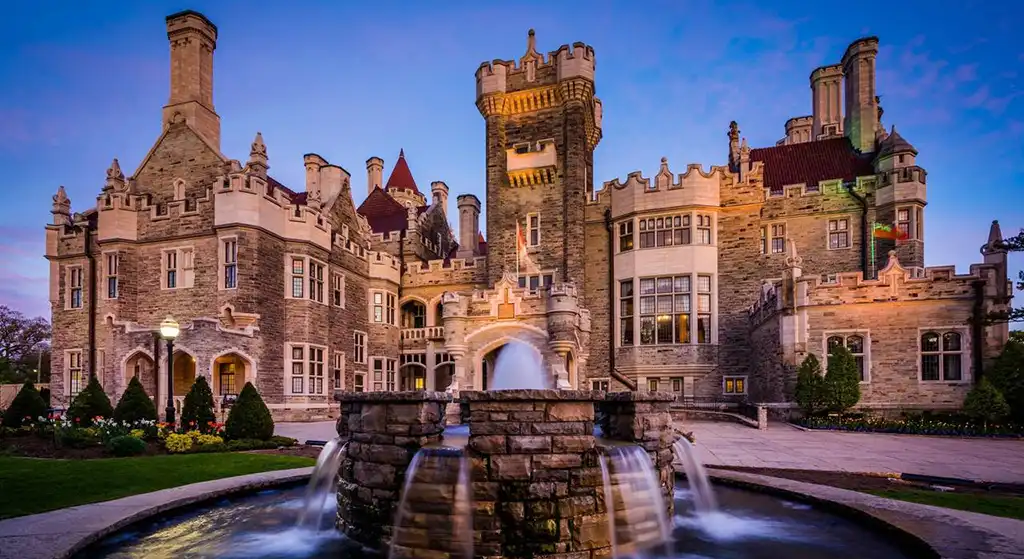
[448, 271]
[384, 266]
[534, 69]
[248, 199]
[638, 193]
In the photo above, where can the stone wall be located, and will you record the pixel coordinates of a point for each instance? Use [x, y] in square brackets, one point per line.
[644, 418]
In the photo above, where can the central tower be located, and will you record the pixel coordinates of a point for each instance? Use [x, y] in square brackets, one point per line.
[543, 123]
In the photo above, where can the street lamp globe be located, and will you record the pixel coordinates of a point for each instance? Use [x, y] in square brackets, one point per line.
[169, 328]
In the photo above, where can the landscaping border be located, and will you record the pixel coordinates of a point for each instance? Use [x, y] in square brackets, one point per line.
[61, 533]
[921, 530]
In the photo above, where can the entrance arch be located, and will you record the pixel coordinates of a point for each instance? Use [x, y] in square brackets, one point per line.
[140, 365]
[229, 373]
[184, 372]
[412, 376]
[487, 357]
[443, 373]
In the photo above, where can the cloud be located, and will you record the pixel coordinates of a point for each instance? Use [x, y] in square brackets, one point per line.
[966, 73]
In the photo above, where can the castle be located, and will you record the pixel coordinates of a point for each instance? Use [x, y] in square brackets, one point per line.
[707, 283]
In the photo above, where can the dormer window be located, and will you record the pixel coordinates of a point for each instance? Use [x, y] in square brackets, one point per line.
[522, 148]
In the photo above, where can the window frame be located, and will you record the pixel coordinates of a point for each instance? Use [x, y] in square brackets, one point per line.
[72, 364]
[829, 232]
[702, 314]
[74, 295]
[683, 298]
[533, 239]
[964, 352]
[111, 265]
[905, 226]
[865, 336]
[769, 233]
[228, 259]
[183, 271]
[626, 235]
[627, 322]
[359, 347]
[704, 225]
[743, 381]
[338, 289]
[312, 362]
[310, 281]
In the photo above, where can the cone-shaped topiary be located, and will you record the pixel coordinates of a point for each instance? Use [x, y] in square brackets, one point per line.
[197, 411]
[249, 417]
[985, 403]
[45, 395]
[810, 386]
[90, 403]
[26, 408]
[135, 405]
[842, 381]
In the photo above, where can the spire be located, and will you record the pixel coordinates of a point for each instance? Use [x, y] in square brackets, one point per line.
[995, 240]
[894, 143]
[734, 144]
[61, 206]
[258, 156]
[115, 178]
[531, 48]
[401, 176]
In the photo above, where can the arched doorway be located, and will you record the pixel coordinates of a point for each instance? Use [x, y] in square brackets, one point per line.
[487, 367]
[525, 366]
[414, 314]
[413, 376]
[141, 366]
[230, 372]
[184, 373]
[443, 373]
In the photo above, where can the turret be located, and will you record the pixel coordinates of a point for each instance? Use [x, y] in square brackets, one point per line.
[61, 209]
[895, 153]
[258, 157]
[439, 195]
[826, 101]
[313, 163]
[374, 174]
[193, 38]
[861, 103]
[469, 225]
[402, 186]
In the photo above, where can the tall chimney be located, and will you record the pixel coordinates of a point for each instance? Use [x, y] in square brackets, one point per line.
[193, 39]
[374, 174]
[861, 106]
[469, 225]
[826, 101]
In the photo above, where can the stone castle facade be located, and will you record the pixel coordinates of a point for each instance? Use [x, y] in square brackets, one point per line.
[706, 283]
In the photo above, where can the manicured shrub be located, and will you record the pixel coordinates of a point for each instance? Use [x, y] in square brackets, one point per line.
[842, 381]
[1007, 376]
[135, 405]
[810, 386]
[178, 442]
[203, 440]
[985, 403]
[213, 447]
[75, 437]
[26, 408]
[90, 403]
[197, 411]
[126, 445]
[278, 440]
[249, 417]
[45, 395]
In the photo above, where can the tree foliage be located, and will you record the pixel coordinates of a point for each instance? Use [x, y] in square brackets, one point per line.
[1010, 244]
[197, 411]
[985, 403]
[842, 381]
[810, 386]
[1007, 375]
[135, 404]
[26, 407]
[90, 403]
[21, 341]
[249, 418]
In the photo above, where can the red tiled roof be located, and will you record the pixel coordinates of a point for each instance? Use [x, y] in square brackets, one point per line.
[481, 244]
[812, 162]
[383, 213]
[401, 176]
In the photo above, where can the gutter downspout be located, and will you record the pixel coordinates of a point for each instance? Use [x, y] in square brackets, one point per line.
[92, 298]
[978, 329]
[613, 372]
[863, 227]
[398, 303]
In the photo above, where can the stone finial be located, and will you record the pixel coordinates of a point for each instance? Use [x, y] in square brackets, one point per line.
[61, 206]
[995, 242]
[531, 45]
[744, 151]
[734, 131]
[115, 178]
[258, 155]
[530, 60]
[793, 260]
[734, 145]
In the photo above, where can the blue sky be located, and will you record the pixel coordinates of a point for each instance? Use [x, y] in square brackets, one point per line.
[85, 81]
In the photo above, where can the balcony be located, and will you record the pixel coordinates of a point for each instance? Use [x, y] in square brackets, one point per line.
[428, 333]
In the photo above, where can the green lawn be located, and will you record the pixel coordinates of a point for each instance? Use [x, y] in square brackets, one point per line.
[31, 485]
[995, 505]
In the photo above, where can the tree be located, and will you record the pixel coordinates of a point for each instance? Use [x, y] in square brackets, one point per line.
[249, 418]
[27, 407]
[810, 386]
[135, 405]
[842, 381]
[985, 403]
[197, 411]
[1007, 376]
[90, 403]
[20, 336]
[1010, 244]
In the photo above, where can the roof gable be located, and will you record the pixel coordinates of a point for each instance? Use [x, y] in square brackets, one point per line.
[382, 212]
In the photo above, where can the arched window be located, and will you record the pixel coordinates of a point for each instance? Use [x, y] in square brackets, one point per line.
[857, 346]
[414, 315]
[942, 356]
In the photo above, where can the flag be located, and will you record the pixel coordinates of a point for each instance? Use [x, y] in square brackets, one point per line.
[883, 231]
[522, 257]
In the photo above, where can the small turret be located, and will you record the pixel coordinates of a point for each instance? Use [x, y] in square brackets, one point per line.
[374, 174]
[469, 225]
[894, 152]
[61, 209]
[258, 157]
[439, 195]
[115, 178]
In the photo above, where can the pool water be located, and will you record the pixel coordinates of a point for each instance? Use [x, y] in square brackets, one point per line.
[749, 525]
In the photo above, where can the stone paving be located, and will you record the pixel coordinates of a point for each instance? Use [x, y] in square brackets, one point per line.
[785, 446]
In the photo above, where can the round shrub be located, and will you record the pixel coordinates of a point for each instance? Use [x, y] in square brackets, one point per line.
[178, 442]
[90, 403]
[135, 405]
[203, 440]
[249, 417]
[126, 445]
[197, 411]
[26, 408]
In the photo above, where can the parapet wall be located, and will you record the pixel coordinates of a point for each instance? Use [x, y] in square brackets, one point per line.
[664, 190]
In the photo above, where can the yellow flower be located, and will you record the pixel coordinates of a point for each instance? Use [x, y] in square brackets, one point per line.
[176, 443]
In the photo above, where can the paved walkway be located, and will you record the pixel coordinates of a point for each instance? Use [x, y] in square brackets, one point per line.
[784, 446]
[61, 533]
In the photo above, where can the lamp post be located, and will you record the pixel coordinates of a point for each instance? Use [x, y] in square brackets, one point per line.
[169, 331]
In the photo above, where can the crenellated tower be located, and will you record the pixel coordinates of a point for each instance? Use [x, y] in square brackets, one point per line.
[542, 125]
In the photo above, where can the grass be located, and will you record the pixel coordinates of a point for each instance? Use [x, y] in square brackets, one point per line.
[1009, 506]
[32, 485]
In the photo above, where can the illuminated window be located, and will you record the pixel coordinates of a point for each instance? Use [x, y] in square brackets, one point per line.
[626, 313]
[704, 309]
[665, 310]
[626, 236]
[75, 374]
[652, 384]
[734, 385]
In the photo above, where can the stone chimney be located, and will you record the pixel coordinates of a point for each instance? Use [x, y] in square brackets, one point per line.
[193, 39]
[374, 174]
[469, 225]
[826, 101]
[861, 103]
[439, 194]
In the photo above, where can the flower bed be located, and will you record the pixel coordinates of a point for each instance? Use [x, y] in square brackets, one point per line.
[912, 426]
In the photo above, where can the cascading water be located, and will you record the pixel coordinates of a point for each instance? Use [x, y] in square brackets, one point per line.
[696, 476]
[518, 367]
[637, 516]
[434, 515]
[321, 484]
